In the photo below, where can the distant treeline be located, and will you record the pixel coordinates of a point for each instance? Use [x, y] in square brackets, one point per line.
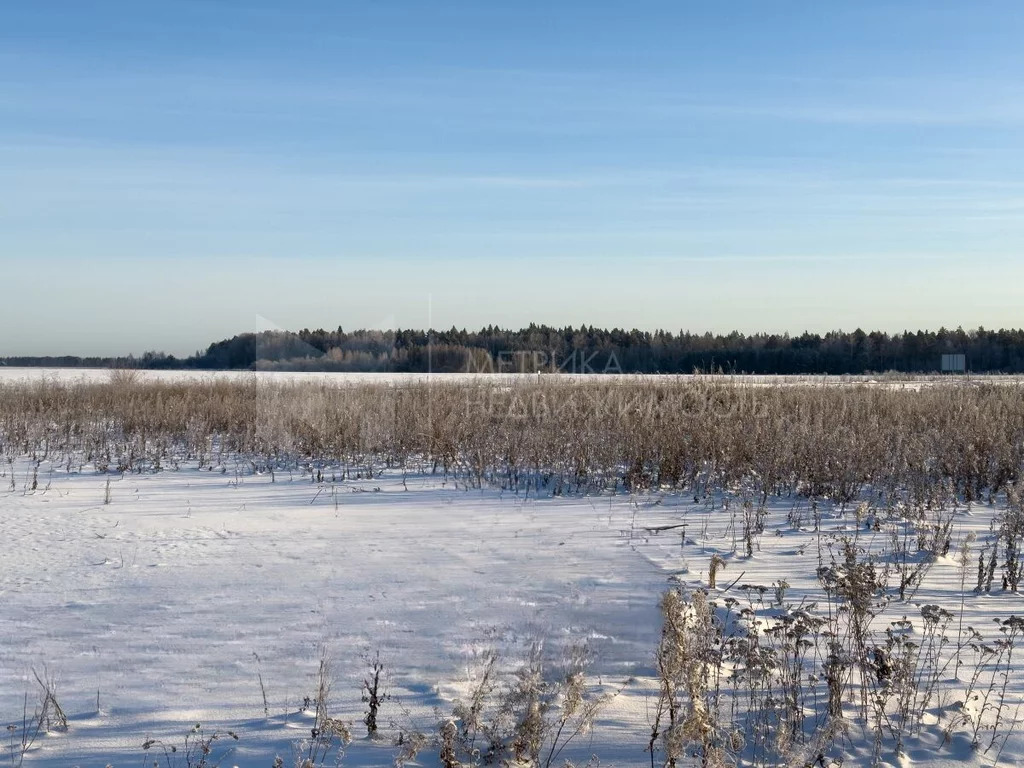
[585, 350]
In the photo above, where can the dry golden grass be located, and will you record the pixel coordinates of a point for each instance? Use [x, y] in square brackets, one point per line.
[551, 435]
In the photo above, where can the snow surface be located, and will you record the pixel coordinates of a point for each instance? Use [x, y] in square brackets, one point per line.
[14, 374]
[158, 603]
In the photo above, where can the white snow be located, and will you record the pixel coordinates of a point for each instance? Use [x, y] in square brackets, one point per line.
[159, 602]
[15, 374]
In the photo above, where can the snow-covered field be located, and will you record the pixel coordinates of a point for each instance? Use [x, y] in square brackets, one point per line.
[13, 375]
[169, 605]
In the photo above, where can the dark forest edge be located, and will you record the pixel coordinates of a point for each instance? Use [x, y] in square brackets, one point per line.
[583, 350]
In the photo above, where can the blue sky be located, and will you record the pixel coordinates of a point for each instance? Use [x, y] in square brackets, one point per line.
[172, 173]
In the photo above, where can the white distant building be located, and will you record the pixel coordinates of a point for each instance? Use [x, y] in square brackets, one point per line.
[954, 363]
